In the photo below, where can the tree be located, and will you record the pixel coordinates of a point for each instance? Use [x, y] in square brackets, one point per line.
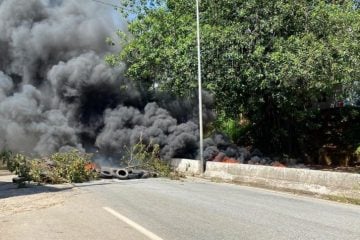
[269, 60]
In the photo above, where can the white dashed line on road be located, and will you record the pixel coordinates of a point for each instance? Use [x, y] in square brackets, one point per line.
[133, 224]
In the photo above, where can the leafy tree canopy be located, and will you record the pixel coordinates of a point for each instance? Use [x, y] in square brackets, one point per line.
[270, 60]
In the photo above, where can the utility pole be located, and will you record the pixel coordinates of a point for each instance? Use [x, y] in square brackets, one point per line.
[202, 162]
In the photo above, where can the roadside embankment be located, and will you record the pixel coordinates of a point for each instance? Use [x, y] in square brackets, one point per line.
[333, 185]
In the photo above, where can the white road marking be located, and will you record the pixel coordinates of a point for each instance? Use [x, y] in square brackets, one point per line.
[133, 224]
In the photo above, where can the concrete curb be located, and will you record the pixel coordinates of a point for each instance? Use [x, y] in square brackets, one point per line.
[186, 166]
[336, 184]
[345, 185]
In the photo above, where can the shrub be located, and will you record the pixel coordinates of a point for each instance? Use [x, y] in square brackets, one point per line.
[16, 163]
[58, 168]
[70, 167]
[147, 156]
[4, 158]
[234, 128]
[39, 170]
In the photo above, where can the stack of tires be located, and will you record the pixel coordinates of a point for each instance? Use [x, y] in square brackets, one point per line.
[125, 173]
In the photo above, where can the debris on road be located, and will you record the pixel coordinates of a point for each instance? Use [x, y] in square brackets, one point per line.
[125, 173]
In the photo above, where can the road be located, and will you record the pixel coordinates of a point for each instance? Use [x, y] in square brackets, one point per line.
[191, 209]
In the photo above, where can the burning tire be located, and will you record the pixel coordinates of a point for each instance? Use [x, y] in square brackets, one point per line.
[122, 174]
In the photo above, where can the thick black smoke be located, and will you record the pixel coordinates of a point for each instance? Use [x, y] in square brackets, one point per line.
[56, 91]
[124, 126]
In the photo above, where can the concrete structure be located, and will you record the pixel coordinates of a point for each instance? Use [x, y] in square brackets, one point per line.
[186, 166]
[342, 185]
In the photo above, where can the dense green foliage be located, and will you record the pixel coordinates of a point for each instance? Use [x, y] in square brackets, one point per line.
[269, 60]
[236, 129]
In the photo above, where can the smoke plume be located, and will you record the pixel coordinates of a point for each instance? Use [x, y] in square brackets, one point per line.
[56, 91]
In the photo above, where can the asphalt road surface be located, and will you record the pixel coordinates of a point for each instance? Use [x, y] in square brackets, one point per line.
[174, 210]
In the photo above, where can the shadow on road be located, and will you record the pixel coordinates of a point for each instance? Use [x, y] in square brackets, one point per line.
[9, 189]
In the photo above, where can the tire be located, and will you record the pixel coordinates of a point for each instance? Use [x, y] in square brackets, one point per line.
[19, 180]
[113, 171]
[135, 175]
[122, 174]
[146, 174]
[106, 173]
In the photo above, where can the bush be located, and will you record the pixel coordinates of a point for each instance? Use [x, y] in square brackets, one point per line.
[4, 158]
[71, 166]
[147, 156]
[234, 128]
[39, 170]
[58, 168]
[16, 163]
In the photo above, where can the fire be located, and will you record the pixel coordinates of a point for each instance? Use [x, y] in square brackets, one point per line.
[222, 158]
[91, 166]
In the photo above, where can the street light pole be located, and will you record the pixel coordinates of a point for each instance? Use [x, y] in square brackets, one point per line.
[202, 162]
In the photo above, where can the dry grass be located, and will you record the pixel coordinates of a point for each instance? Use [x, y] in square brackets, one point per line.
[341, 199]
[175, 175]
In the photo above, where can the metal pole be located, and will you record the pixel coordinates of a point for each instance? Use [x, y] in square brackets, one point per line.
[202, 162]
